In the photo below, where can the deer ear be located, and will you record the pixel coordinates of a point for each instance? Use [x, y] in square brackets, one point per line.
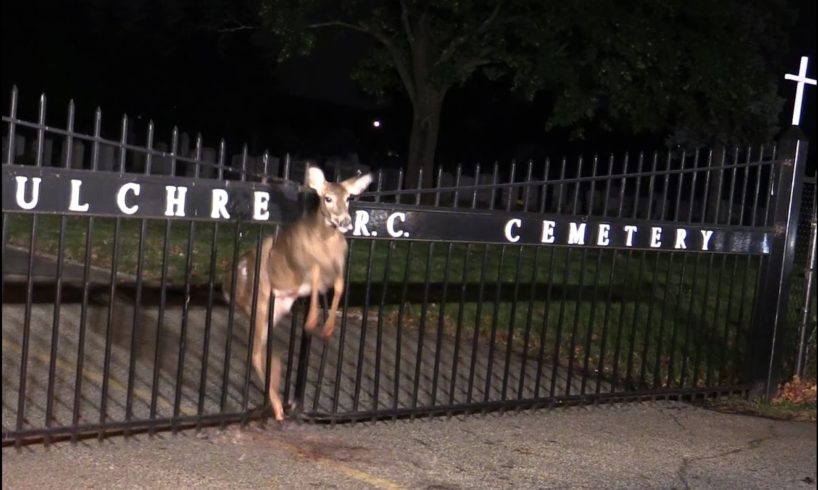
[357, 185]
[315, 179]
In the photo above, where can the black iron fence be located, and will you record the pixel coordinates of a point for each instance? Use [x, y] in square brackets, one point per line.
[514, 286]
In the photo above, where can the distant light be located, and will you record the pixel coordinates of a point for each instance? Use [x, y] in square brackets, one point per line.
[376, 124]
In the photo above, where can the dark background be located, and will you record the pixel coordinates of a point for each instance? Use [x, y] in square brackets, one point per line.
[141, 59]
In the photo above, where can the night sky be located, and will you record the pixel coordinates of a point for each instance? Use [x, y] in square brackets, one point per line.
[169, 67]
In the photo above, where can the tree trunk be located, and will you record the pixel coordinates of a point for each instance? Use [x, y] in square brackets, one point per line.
[423, 140]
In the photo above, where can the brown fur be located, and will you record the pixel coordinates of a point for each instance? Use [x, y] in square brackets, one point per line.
[307, 257]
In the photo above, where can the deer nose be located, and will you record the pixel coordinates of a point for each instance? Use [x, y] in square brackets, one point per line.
[346, 222]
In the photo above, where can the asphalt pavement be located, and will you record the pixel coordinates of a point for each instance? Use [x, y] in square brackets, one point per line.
[659, 445]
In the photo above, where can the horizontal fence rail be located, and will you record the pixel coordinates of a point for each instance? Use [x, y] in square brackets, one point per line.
[563, 281]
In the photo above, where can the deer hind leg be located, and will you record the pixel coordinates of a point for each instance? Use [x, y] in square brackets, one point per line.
[281, 307]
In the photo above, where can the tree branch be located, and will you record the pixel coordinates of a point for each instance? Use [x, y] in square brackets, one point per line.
[338, 23]
[451, 49]
[400, 64]
[466, 67]
[237, 28]
[407, 26]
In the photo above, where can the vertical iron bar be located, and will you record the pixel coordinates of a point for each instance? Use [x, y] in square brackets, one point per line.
[621, 321]
[251, 334]
[689, 316]
[600, 369]
[654, 279]
[423, 309]
[555, 360]
[680, 297]
[85, 283]
[702, 314]
[231, 311]
[379, 327]
[546, 303]
[496, 309]
[364, 325]
[11, 135]
[479, 310]
[442, 303]
[529, 316]
[668, 277]
[440, 328]
[339, 367]
[180, 367]
[157, 352]
[513, 312]
[399, 325]
[580, 283]
[55, 332]
[592, 314]
[106, 370]
[211, 287]
[140, 263]
[463, 291]
[21, 398]
[635, 320]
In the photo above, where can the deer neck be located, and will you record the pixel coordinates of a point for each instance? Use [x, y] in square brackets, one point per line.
[320, 226]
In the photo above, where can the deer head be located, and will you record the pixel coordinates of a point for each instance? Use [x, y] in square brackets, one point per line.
[334, 197]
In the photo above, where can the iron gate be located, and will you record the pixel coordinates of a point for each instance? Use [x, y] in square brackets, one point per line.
[519, 286]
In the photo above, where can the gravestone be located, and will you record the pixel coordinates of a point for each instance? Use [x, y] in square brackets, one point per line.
[183, 167]
[207, 167]
[107, 160]
[78, 154]
[160, 164]
[389, 179]
[30, 153]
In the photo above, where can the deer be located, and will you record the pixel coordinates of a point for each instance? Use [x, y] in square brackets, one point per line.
[305, 258]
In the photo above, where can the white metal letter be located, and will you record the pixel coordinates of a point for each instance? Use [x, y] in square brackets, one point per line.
[175, 200]
[120, 197]
[75, 205]
[361, 219]
[218, 204]
[390, 225]
[655, 236]
[681, 234]
[509, 225]
[630, 230]
[21, 192]
[602, 235]
[576, 235]
[706, 236]
[261, 200]
[548, 231]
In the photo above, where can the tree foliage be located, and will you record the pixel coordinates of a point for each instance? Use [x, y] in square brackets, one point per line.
[695, 71]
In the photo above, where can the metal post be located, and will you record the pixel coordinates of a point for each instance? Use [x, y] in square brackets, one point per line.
[766, 344]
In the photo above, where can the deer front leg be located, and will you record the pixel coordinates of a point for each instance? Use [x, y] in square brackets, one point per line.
[312, 314]
[338, 290]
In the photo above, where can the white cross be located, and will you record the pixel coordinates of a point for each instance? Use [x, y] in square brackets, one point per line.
[801, 78]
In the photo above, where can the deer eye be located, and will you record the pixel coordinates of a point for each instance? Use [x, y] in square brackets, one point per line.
[327, 199]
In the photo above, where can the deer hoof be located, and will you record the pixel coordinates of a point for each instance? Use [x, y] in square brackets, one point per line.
[326, 333]
[278, 411]
[311, 323]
